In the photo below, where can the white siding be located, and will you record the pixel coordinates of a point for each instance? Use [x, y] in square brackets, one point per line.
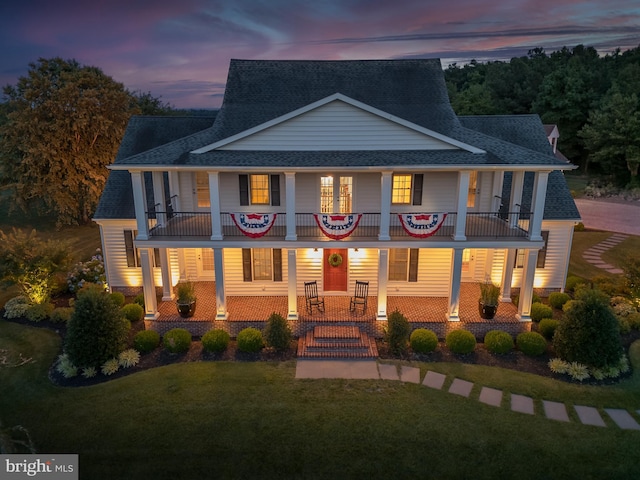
[434, 273]
[307, 192]
[338, 126]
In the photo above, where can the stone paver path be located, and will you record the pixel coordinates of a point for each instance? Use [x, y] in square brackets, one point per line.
[370, 369]
[593, 255]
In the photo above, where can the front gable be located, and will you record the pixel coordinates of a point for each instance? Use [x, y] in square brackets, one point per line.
[338, 123]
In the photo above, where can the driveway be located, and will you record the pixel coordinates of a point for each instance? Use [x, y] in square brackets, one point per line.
[612, 216]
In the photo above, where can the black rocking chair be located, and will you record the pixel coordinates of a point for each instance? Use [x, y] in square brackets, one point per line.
[312, 298]
[360, 296]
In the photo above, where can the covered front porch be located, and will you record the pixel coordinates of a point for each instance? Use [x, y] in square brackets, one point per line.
[427, 312]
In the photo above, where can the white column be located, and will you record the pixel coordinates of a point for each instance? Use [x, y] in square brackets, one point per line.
[290, 193]
[526, 287]
[461, 206]
[221, 298]
[148, 284]
[385, 205]
[174, 190]
[158, 197]
[140, 203]
[454, 287]
[507, 274]
[214, 200]
[165, 268]
[537, 204]
[383, 276]
[292, 291]
[515, 199]
[496, 191]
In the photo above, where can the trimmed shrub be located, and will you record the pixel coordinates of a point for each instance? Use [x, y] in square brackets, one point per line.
[535, 298]
[461, 341]
[423, 340]
[250, 340]
[16, 307]
[61, 314]
[215, 340]
[547, 327]
[96, 331]
[634, 321]
[146, 341]
[132, 312]
[40, 311]
[118, 298]
[558, 299]
[139, 299]
[572, 282]
[396, 334]
[540, 311]
[497, 341]
[531, 343]
[589, 333]
[277, 333]
[177, 340]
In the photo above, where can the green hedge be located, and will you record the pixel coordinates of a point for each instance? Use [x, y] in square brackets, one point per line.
[215, 340]
[423, 340]
[461, 341]
[146, 341]
[250, 340]
[177, 340]
[531, 343]
[497, 341]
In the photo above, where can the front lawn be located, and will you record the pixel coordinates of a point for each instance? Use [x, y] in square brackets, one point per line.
[254, 420]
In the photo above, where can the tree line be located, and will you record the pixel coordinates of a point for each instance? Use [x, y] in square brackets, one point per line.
[593, 99]
[62, 123]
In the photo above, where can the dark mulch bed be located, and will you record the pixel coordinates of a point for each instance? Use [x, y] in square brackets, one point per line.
[514, 360]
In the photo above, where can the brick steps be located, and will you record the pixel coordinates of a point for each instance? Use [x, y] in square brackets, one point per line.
[331, 341]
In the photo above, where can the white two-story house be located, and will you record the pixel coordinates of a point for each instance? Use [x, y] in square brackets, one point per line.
[336, 172]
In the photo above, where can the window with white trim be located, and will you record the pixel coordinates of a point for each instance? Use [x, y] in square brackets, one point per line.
[262, 264]
[403, 264]
[542, 253]
[407, 189]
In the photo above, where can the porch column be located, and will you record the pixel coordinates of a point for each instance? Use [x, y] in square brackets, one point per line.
[385, 206]
[496, 191]
[383, 276]
[148, 284]
[507, 274]
[293, 281]
[454, 286]
[174, 191]
[515, 200]
[537, 204]
[526, 287]
[140, 203]
[214, 201]
[290, 192]
[221, 298]
[165, 268]
[158, 197]
[461, 206]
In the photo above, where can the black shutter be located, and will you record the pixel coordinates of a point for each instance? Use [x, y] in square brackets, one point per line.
[129, 248]
[275, 190]
[277, 264]
[542, 254]
[244, 189]
[417, 188]
[413, 264]
[246, 264]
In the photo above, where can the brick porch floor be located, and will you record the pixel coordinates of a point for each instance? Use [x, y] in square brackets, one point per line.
[258, 309]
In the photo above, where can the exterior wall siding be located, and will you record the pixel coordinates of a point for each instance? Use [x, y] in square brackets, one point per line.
[338, 126]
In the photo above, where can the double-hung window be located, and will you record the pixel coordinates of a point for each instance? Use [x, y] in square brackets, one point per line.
[132, 253]
[262, 264]
[542, 253]
[403, 264]
[406, 189]
[259, 189]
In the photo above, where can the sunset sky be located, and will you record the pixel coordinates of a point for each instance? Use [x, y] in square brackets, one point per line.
[179, 50]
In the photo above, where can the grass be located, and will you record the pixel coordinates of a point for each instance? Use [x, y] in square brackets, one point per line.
[255, 420]
[576, 182]
[583, 241]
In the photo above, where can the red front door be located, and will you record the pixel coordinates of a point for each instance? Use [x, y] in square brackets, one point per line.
[335, 276]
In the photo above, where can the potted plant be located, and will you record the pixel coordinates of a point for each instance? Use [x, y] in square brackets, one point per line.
[186, 300]
[489, 300]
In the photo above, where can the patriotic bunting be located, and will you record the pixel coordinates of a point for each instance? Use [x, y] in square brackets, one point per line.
[421, 225]
[337, 226]
[254, 225]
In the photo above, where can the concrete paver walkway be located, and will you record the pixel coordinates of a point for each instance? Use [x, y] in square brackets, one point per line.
[593, 255]
[372, 370]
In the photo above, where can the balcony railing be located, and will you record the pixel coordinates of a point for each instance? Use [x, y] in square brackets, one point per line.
[478, 225]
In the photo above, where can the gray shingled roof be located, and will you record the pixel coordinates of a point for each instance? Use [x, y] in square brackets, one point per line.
[259, 90]
[528, 131]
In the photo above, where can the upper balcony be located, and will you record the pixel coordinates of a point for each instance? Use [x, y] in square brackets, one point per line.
[477, 226]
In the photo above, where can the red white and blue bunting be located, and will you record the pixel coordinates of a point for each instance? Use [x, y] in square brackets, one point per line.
[337, 226]
[254, 225]
[421, 225]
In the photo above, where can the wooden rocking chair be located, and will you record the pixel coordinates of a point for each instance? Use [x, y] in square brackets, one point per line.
[360, 296]
[312, 298]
